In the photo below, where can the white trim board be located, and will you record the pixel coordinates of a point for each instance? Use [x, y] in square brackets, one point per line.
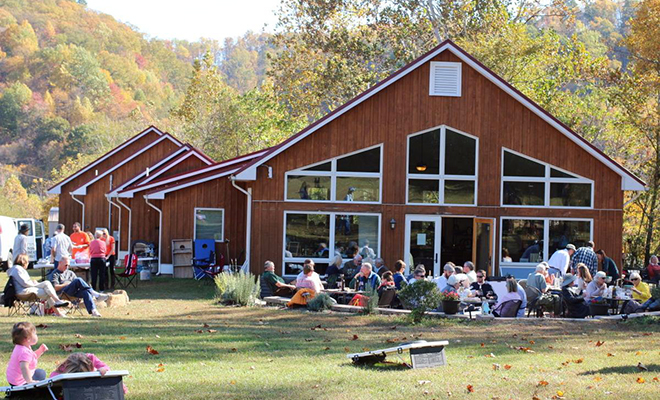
[160, 195]
[628, 181]
[82, 190]
[57, 189]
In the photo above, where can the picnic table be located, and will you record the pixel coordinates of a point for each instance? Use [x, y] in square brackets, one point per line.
[345, 295]
[82, 267]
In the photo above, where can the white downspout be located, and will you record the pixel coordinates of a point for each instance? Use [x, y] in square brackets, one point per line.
[130, 220]
[160, 230]
[107, 196]
[83, 209]
[248, 231]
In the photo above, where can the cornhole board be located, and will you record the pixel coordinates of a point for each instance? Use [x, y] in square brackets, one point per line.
[75, 386]
[423, 354]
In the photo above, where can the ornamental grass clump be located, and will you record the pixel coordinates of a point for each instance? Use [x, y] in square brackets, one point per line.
[420, 297]
[321, 302]
[371, 305]
[237, 289]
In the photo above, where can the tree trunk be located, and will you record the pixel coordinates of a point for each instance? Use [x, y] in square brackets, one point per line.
[653, 200]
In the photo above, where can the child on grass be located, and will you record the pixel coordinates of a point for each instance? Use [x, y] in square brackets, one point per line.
[22, 367]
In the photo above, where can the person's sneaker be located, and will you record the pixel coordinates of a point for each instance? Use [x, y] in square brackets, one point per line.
[95, 313]
[102, 297]
[62, 304]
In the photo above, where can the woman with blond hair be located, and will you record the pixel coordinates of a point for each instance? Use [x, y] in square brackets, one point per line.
[583, 277]
[333, 271]
[25, 285]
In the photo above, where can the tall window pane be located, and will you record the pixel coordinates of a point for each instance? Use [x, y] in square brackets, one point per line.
[524, 193]
[424, 191]
[357, 189]
[307, 235]
[366, 161]
[300, 187]
[570, 194]
[460, 154]
[523, 239]
[565, 232]
[321, 167]
[356, 233]
[514, 165]
[459, 192]
[209, 224]
[424, 153]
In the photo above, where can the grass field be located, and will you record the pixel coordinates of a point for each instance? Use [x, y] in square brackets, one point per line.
[267, 353]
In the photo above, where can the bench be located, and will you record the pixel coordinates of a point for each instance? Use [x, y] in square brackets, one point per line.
[75, 386]
[423, 354]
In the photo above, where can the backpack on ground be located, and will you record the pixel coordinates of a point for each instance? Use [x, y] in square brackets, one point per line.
[9, 294]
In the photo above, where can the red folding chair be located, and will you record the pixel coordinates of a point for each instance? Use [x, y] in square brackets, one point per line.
[128, 274]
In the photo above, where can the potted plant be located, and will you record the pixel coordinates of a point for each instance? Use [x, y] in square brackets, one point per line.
[599, 306]
[450, 302]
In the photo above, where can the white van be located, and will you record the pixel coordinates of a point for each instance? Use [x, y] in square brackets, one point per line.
[8, 233]
[35, 237]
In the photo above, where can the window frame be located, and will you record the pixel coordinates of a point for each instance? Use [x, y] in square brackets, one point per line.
[442, 177]
[334, 174]
[331, 237]
[208, 209]
[547, 180]
[546, 238]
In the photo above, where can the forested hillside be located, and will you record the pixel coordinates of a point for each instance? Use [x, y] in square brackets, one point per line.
[74, 83]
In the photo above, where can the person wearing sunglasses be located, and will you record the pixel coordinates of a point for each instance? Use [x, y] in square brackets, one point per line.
[481, 287]
[641, 291]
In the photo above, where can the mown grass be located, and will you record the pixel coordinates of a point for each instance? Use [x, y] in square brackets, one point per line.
[268, 353]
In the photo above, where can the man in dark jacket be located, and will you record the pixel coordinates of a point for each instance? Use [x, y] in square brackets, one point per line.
[575, 304]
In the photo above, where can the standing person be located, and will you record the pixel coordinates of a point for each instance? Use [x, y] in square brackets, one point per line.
[560, 261]
[79, 239]
[110, 257]
[587, 256]
[608, 265]
[20, 242]
[399, 278]
[97, 253]
[65, 281]
[468, 269]
[61, 245]
[24, 284]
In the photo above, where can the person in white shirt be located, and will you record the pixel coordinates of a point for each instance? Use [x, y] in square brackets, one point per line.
[597, 287]
[560, 261]
[448, 271]
[20, 242]
[61, 245]
[468, 269]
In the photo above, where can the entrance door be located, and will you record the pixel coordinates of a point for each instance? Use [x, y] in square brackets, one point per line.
[482, 244]
[423, 242]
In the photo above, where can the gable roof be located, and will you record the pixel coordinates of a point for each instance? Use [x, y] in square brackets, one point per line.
[160, 191]
[216, 170]
[628, 180]
[57, 188]
[82, 190]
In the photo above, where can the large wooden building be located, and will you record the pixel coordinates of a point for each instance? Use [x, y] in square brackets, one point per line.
[442, 161]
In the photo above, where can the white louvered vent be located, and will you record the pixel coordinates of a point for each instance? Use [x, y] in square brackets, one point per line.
[445, 79]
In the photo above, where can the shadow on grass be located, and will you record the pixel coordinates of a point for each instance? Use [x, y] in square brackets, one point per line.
[623, 369]
[381, 366]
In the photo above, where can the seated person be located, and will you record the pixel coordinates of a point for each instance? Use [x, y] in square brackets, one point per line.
[276, 284]
[641, 290]
[67, 282]
[468, 269]
[537, 280]
[352, 267]
[576, 307]
[511, 294]
[334, 271]
[448, 270]
[652, 304]
[608, 265]
[419, 274]
[387, 281]
[596, 288]
[653, 269]
[452, 285]
[366, 278]
[399, 277]
[309, 278]
[25, 285]
[464, 288]
[481, 287]
[380, 266]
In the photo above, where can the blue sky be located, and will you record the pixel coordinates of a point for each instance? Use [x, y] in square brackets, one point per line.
[192, 19]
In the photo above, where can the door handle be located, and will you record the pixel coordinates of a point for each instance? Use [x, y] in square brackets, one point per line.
[436, 257]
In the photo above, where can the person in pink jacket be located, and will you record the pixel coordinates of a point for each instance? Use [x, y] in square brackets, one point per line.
[81, 362]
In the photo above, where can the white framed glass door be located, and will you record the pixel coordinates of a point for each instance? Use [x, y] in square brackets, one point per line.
[423, 242]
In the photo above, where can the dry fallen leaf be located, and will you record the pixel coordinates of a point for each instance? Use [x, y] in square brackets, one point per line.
[507, 367]
[641, 380]
[610, 355]
[122, 337]
[347, 350]
[327, 348]
[491, 355]
[234, 349]
[206, 325]
[79, 336]
[252, 367]
[655, 379]
[560, 393]
[151, 350]
[421, 383]
[543, 383]
[532, 342]
[66, 347]
[470, 389]
[157, 336]
[598, 379]
[578, 361]
[639, 353]
[355, 337]
[483, 345]
[496, 367]
[535, 397]
[212, 330]
[232, 382]
[160, 368]
[599, 343]
[42, 326]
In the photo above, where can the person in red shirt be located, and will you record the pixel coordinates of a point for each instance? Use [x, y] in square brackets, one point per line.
[97, 252]
[79, 239]
[110, 256]
[653, 269]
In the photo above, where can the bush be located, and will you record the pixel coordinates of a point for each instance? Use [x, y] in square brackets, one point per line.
[372, 302]
[239, 288]
[321, 302]
[420, 297]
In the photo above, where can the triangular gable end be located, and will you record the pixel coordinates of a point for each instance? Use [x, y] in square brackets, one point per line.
[628, 180]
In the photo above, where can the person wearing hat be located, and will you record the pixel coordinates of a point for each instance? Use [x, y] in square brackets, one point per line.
[560, 260]
[20, 241]
[597, 287]
[575, 304]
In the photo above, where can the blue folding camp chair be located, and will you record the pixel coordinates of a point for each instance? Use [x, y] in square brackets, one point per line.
[204, 260]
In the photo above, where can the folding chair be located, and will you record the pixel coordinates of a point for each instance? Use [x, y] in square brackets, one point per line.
[386, 298]
[126, 276]
[533, 296]
[23, 304]
[204, 259]
[74, 304]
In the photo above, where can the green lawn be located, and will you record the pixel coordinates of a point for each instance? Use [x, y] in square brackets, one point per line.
[267, 353]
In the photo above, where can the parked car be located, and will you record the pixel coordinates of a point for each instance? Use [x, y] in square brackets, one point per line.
[35, 237]
[8, 233]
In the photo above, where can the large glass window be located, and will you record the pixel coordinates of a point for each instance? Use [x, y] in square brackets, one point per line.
[531, 183]
[355, 177]
[209, 223]
[322, 236]
[535, 240]
[442, 167]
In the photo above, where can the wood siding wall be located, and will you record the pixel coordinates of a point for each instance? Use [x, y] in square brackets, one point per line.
[404, 108]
